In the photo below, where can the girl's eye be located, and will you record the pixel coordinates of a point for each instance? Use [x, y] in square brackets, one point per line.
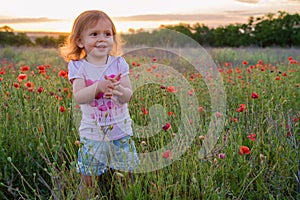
[94, 34]
[108, 34]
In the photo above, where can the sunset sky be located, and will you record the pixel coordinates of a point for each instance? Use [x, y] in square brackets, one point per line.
[58, 15]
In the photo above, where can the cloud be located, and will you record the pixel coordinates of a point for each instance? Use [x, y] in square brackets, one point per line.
[248, 1]
[27, 20]
[211, 20]
[171, 17]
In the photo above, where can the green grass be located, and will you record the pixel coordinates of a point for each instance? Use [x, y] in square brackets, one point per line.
[38, 154]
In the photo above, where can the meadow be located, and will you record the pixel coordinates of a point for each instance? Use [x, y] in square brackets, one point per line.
[255, 157]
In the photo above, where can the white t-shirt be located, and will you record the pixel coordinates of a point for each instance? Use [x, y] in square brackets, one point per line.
[102, 119]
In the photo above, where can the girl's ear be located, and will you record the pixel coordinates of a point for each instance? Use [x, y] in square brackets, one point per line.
[79, 43]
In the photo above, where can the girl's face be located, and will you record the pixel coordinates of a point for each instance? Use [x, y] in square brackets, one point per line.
[97, 41]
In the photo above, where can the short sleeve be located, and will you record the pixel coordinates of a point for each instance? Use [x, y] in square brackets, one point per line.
[123, 66]
[74, 70]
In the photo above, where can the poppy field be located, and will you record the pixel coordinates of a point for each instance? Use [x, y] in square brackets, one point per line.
[256, 155]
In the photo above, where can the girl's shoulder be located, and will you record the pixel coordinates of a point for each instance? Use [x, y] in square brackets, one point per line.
[76, 64]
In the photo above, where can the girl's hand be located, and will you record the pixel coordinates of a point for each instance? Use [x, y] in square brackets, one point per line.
[106, 87]
[121, 88]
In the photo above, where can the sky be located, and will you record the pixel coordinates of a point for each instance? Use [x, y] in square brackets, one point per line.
[58, 15]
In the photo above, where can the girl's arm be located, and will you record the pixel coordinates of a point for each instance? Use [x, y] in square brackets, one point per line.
[83, 94]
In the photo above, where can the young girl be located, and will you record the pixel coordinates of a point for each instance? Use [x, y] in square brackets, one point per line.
[101, 86]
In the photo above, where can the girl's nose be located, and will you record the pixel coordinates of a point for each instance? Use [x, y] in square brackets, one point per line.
[101, 37]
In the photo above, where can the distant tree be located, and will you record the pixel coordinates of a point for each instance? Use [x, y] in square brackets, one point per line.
[9, 38]
[46, 41]
[203, 34]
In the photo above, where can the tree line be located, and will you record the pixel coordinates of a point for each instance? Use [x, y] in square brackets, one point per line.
[273, 29]
[280, 29]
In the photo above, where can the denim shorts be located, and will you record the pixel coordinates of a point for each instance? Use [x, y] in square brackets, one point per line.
[95, 157]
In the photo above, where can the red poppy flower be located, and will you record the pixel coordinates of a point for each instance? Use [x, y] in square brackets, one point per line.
[227, 64]
[42, 69]
[63, 73]
[244, 150]
[171, 89]
[29, 84]
[252, 137]
[62, 109]
[25, 68]
[154, 59]
[241, 108]
[167, 154]
[40, 89]
[22, 77]
[17, 85]
[171, 113]
[145, 111]
[293, 62]
[167, 126]
[245, 62]
[254, 95]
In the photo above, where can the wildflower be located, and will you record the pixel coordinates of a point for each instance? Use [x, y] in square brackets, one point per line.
[17, 85]
[252, 137]
[145, 111]
[42, 69]
[244, 150]
[167, 126]
[233, 119]
[25, 68]
[63, 73]
[62, 109]
[227, 64]
[171, 89]
[154, 59]
[245, 62]
[254, 95]
[40, 89]
[241, 108]
[167, 154]
[170, 113]
[22, 77]
[29, 84]
[260, 62]
[222, 155]
[295, 119]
